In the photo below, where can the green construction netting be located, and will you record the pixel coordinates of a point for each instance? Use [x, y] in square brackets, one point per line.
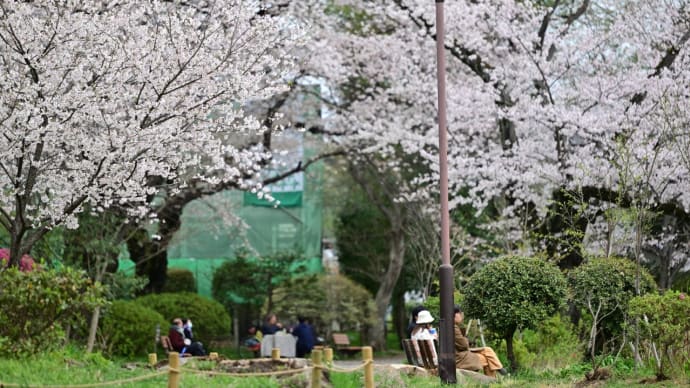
[209, 234]
[203, 269]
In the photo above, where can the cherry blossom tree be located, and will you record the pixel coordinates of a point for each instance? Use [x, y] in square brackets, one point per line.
[105, 102]
[547, 99]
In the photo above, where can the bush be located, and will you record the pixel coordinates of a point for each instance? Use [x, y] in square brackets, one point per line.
[36, 305]
[514, 293]
[553, 343]
[433, 303]
[128, 328]
[180, 280]
[325, 299]
[235, 283]
[609, 283]
[523, 356]
[209, 317]
[665, 321]
[120, 286]
[26, 263]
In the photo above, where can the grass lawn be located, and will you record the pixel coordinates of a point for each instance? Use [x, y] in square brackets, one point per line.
[71, 366]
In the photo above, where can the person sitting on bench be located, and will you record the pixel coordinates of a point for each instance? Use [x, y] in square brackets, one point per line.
[271, 324]
[422, 329]
[253, 340]
[413, 319]
[473, 359]
[180, 343]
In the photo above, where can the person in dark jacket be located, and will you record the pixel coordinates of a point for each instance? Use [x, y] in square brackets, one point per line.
[187, 328]
[306, 337]
[180, 343]
[271, 325]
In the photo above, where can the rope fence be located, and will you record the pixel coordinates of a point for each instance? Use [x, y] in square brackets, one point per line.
[89, 385]
[334, 368]
[318, 365]
[174, 371]
[236, 374]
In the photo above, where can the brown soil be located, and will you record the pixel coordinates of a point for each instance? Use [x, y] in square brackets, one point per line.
[257, 365]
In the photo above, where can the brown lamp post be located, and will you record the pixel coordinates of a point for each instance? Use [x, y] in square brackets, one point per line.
[446, 359]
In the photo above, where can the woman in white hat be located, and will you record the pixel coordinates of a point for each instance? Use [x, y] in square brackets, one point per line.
[423, 329]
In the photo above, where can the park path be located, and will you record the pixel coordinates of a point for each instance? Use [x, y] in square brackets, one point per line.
[354, 361]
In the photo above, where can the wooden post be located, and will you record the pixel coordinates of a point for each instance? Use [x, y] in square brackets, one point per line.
[316, 371]
[153, 359]
[174, 375]
[328, 355]
[275, 354]
[368, 356]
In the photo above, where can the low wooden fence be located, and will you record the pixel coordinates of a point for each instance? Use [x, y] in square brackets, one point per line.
[322, 359]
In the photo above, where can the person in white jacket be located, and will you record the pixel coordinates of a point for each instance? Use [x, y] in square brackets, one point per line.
[424, 331]
[423, 328]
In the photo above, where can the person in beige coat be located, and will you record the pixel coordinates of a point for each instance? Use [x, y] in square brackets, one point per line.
[474, 359]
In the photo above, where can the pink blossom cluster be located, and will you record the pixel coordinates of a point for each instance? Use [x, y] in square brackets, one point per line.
[26, 263]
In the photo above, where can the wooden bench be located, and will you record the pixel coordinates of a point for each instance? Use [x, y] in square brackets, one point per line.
[168, 347]
[421, 353]
[342, 344]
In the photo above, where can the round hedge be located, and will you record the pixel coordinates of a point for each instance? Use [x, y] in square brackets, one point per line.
[664, 320]
[515, 293]
[180, 280]
[609, 283]
[209, 317]
[324, 299]
[129, 328]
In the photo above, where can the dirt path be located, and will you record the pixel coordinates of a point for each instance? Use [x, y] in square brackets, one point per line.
[353, 362]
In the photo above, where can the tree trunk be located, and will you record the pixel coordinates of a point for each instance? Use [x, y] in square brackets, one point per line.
[101, 269]
[399, 314]
[150, 258]
[509, 349]
[93, 327]
[385, 291]
[16, 235]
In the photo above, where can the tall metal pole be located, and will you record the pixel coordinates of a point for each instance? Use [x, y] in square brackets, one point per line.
[446, 359]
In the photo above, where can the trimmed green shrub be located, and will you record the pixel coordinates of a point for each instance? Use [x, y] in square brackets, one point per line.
[36, 305]
[514, 293]
[665, 321]
[180, 280]
[325, 299]
[128, 329]
[209, 317]
[608, 284]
